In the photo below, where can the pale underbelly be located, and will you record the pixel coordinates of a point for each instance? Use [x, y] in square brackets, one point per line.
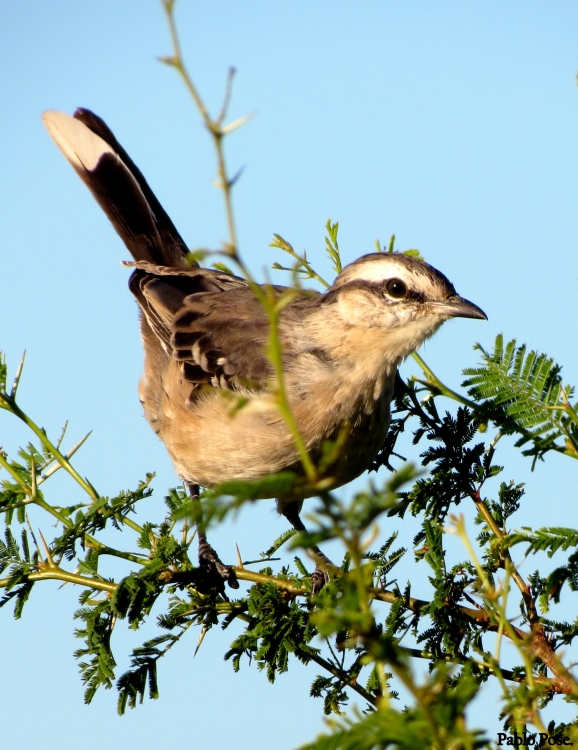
[209, 446]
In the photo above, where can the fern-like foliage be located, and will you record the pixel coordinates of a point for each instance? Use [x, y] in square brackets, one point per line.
[522, 393]
[549, 539]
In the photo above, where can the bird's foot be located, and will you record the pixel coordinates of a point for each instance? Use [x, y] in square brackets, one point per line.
[212, 573]
[318, 580]
[320, 575]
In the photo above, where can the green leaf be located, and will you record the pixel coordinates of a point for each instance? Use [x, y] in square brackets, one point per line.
[522, 393]
[332, 246]
[550, 539]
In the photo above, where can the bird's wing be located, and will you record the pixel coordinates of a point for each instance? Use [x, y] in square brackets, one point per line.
[210, 322]
[118, 186]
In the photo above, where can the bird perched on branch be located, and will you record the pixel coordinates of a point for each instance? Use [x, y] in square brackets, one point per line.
[205, 334]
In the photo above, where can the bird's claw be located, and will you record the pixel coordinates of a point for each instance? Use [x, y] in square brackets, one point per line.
[319, 578]
[212, 573]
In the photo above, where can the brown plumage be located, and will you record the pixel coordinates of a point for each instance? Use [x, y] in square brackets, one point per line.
[204, 335]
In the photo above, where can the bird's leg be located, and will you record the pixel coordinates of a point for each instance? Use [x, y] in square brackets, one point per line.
[322, 563]
[212, 572]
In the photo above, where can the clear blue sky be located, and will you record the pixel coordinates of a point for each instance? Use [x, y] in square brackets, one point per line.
[451, 124]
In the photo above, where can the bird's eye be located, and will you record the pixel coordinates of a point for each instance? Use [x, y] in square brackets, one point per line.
[396, 288]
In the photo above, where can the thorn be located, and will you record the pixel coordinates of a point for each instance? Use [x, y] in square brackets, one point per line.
[168, 60]
[33, 483]
[236, 176]
[33, 537]
[62, 434]
[201, 639]
[239, 558]
[47, 550]
[365, 545]
[62, 585]
[227, 98]
[89, 483]
[17, 376]
[74, 448]
[237, 123]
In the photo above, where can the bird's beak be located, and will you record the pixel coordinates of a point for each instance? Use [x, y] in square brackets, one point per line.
[458, 307]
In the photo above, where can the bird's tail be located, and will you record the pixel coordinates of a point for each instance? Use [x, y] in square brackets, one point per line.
[118, 186]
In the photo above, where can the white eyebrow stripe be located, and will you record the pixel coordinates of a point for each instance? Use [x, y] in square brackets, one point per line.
[381, 270]
[374, 269]
[377, 272]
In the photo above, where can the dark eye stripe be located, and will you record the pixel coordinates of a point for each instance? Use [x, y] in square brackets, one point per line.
[379, 288]
[410, 294]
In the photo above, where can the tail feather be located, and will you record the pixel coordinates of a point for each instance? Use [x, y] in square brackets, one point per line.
[118, 186]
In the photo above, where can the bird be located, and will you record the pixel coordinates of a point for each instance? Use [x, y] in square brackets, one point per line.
[205, 331]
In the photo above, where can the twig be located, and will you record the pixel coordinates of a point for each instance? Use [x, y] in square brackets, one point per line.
[56, 573]
[271, 304]
[336, 672]
[435, 384]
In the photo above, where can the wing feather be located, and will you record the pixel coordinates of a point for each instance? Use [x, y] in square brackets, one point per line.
[209, 321]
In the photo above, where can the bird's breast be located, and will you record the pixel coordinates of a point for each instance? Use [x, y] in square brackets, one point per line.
[210, 441]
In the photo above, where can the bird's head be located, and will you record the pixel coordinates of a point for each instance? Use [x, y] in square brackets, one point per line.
[400, 298]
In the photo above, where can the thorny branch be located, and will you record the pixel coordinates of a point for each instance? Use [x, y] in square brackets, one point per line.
[165, 564]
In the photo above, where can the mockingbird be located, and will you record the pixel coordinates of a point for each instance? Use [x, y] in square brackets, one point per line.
[204, 334]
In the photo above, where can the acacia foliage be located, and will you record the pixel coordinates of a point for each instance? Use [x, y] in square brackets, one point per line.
[366, 632]
[363, 630]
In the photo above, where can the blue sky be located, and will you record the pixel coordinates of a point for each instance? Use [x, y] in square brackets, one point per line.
[451, 124]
